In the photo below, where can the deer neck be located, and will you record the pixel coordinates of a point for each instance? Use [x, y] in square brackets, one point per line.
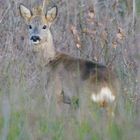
[48, 49]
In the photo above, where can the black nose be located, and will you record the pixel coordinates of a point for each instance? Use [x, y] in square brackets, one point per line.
[35, 38]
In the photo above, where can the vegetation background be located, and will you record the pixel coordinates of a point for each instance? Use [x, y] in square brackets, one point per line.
[106, 31]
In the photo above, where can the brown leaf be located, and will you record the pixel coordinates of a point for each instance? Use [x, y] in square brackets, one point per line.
[120, 35]
[91, 14]
[114, 44]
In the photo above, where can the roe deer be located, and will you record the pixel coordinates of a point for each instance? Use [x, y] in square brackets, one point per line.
[71, 76]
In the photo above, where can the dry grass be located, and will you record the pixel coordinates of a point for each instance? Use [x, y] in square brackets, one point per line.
[101, 31]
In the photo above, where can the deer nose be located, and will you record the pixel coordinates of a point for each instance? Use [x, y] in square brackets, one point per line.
[35, 38]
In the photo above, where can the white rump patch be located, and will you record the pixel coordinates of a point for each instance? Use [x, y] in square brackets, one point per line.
[104, 95]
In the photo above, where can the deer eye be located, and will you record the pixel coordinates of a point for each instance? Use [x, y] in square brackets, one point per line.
[30, 26]
[44, 27]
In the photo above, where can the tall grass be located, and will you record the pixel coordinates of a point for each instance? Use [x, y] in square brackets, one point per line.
[26, 114]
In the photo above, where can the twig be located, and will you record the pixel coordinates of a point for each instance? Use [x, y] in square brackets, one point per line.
[4, 13]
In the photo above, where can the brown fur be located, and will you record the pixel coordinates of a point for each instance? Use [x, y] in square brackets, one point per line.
[82, 73]
[69, 78]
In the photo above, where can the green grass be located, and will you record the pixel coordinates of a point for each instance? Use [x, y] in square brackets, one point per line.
[1, 123]
[23, 124]
[115, 132]
[138, 6]
[31, 117]
[16, 126]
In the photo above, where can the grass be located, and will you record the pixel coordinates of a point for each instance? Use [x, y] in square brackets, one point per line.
[23, 124]
[31, 119]
[25, 113]
[138, 6]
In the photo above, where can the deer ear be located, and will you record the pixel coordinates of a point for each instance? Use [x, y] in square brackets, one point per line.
[51, 14]
[25, 12]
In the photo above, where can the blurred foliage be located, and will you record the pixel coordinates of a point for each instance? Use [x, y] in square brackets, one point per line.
[100, 30]
[138, 6]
